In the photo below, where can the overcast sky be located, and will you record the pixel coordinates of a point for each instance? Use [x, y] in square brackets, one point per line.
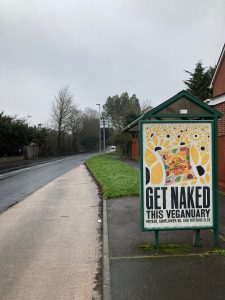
[100, 48]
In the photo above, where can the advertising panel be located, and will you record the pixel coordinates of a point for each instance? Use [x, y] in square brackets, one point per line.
[177, 175]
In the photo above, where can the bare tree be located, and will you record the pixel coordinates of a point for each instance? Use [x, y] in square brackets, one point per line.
[61, 111]
[146, 105]
[91, 113]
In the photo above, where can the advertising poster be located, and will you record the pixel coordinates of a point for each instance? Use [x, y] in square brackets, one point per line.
[177, 175]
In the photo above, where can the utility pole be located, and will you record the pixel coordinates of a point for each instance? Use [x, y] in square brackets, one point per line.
[100, 146]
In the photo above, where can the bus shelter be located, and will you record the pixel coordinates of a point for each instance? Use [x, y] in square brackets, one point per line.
[179, 167]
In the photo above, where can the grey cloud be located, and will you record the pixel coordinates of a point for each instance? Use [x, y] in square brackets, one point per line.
[102, 48]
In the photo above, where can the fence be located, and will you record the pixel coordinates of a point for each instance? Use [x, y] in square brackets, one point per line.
[31, 151]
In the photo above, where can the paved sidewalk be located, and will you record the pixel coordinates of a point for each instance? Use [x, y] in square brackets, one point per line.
[49, 243]
[138, 273]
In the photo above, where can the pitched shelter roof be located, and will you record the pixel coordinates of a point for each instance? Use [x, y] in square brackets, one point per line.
[182, 106]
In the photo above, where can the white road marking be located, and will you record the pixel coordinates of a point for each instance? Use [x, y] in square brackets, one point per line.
[17, 171]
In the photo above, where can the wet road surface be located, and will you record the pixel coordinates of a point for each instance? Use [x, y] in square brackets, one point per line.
[17, 185]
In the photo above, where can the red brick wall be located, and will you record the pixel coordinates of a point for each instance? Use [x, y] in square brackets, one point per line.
[221, 122]
[135, 149]
[219, 83]
[221, 157]
[221, 146]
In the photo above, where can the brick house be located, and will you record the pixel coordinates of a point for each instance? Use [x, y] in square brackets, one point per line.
[218, 102]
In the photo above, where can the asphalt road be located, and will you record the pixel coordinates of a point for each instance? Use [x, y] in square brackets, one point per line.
[17, 185]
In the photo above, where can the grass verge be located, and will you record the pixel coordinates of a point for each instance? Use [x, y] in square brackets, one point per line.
[173, 249]
[116, 178]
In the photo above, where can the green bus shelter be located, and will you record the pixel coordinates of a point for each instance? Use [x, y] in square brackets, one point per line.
[179, 167]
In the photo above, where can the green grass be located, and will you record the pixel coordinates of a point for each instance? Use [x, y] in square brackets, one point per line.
[180, 249]
[216, 251]
[173, 249]
[116, 178]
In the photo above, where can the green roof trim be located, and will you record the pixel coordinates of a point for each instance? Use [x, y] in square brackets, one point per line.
[175, 98]
[155, 112]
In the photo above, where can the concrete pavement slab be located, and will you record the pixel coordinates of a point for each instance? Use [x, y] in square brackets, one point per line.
[49, 243]
[136, 273]
[172, 278]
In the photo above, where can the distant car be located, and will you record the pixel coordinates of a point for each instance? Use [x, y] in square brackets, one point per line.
[113, 147]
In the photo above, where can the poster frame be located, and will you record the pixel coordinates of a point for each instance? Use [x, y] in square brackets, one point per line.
[214, 149]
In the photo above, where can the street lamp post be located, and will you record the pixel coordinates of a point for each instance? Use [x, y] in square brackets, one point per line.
[100, 147]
